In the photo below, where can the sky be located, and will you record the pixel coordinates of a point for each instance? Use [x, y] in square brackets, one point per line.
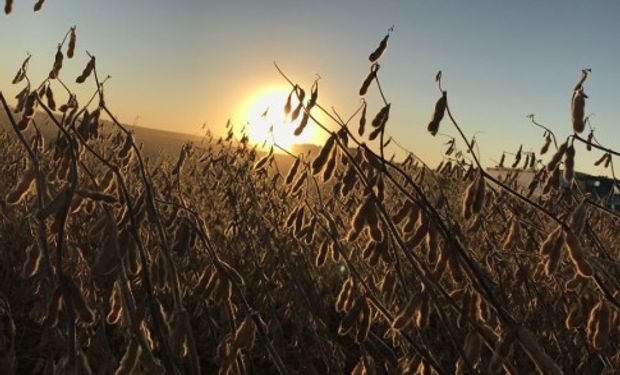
[178, 64]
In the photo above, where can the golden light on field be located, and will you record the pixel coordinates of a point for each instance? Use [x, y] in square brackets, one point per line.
[266, 123]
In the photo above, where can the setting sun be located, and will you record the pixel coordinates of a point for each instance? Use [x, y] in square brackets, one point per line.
[263, 112]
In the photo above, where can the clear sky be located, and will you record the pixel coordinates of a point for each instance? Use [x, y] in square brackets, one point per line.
[180, 63]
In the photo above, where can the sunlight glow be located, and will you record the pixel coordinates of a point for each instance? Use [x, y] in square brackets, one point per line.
[264, 111]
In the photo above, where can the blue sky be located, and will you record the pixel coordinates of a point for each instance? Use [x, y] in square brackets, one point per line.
[180, 63]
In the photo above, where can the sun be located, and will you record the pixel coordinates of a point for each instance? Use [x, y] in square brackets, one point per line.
[266, 124]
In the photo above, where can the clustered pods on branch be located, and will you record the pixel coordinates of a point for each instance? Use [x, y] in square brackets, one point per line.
[314, 94]
[379, 121]
[414, 286]
[365, 217]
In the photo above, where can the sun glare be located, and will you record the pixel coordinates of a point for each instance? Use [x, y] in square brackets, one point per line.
[266, 123]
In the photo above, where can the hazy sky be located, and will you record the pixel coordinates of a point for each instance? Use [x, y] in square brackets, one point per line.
[180, 63]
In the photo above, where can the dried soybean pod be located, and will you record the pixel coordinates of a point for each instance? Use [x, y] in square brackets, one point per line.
[321, 256]
[19, 76]
[300, 95]
[116, 305]
[517, 157]
[33, 261]
[372, 222]
[8, 6]
[212, 283]
[473, 199]
[72, 42]
[87, 71]
[344, 295]
[359, 217]
[49, 95]
[368, 80]
[319, 162]
[600, 337]
[502, 351]
[360, 367]
[293, 171]
[333, 251]
[130, 362]
[288, 105]
[368, 250]
[362, 123]
[314, 94]
[22, 188]
[299, 182]
[230, 273]
[84, 311]
[607, 160]
[302, 124]
[472, 346]
[599, 161]
[553, 259]
[202, 281]
[245, 334]
[263, 161]
[365, 321]
[553, 180]
[375, 133]
[589, 142]
[468, 199]
[402, 212]
[574, 316]
[330, 167]
[21, 100]
[54, 205]
[575, 253]
[376, 54]
[555, 159]
[406, 315]
[569, 163]
[349, 318]
[501, 160]
[420, 233]
[30, 105]
[38, 5]
[381, 117]
[440, 109]
[552, 241]
[480, 194]
[296, 112]
[577, 110]
[514, 236]
[545, 147]
[57, 64]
